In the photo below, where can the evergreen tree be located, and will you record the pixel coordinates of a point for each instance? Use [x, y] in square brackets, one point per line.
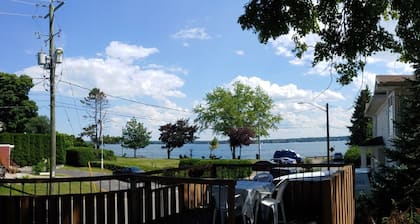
[361, 128]
[135, 135]
[398, 186]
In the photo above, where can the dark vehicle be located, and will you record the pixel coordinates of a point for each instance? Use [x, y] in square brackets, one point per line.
[127, 170]
[2, 171]
[287, 156]
[338, 158]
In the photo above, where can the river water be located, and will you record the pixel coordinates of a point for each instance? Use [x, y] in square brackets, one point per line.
[305, 149]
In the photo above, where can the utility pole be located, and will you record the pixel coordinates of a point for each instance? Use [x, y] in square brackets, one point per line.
[49, 62]
[328, 136]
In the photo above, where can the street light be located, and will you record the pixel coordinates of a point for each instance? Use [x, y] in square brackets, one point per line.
[328, 127]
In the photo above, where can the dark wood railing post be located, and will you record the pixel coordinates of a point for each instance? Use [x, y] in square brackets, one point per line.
[148, 201]
[133, 202]
[231, 202]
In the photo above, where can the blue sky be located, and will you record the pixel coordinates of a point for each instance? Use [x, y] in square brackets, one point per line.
[170, 54]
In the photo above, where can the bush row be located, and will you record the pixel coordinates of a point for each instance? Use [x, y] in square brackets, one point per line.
[31, 148]
[80, 156]
[222, 171]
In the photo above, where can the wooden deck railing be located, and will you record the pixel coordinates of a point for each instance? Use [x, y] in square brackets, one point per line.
[166, 196]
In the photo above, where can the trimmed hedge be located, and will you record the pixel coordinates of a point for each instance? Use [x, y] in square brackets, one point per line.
[31, 148]
[222, 172]
[79, 156]
[107, 165]
[108, 154]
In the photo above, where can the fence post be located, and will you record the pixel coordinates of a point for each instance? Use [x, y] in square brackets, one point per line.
[148, 201]
[231, 202]
[133, 202]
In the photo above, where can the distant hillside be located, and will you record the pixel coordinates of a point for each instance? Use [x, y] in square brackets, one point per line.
[312, 139]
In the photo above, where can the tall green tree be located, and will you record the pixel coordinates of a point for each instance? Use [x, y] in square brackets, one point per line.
[97, 103]
[39, 124]
[176, 135]
[135, 135]
[361, 128]
[237, 108]
[16, 109]
[348, 30]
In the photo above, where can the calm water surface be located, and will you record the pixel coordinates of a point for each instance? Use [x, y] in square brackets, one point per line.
[305, 149]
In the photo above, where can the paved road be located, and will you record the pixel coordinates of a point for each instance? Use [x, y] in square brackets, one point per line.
[105, 185]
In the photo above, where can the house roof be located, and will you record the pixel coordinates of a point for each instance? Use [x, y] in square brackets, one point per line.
[383, 84]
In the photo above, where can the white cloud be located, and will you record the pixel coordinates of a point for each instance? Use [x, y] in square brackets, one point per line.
[116, 74]
[192, 33]
[397, 67]
[240, 52]
[366, 78]
[301, 119]
[128, 53]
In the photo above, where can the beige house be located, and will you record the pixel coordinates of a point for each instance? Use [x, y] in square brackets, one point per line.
[384, 109]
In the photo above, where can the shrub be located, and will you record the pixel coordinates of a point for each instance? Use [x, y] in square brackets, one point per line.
[222, 171]
[107, 165]
[352, 156]
[108, 154]
[79, 156]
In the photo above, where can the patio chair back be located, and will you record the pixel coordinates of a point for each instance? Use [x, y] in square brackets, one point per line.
[263, 177]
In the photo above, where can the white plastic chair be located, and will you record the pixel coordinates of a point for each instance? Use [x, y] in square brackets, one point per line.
[263, 177]
[220, 195]
[273, 202]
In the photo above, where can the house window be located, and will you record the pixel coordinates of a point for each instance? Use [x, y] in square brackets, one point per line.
[391, 115]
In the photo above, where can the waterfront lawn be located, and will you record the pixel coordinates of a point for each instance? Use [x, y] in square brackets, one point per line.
[42, 188]
[146, 164]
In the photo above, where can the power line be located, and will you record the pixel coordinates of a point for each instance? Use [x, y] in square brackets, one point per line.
[126, 99]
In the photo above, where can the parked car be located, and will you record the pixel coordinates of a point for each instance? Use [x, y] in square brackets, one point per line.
[287, 156]
[127, 170]
[338, 158]
[2, 171]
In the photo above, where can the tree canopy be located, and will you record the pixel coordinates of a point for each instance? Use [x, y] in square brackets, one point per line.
[240, 107]
[361, 128]
[238, 137]
[135, 135]
[16, 109]
[349, 31]
[177, 134]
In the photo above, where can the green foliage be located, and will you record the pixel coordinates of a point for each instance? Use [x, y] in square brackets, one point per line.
[31, 148]
[112, 139]
[361, 128]
[352, 156]
[135, 135]
[16, 108]
[79, 156]
[108, 154]
[96, 102]
[241, 107]
[107, 165]
[177, 134]
[214, 144]
[39, 124]
[349, 31]
[41, 166]
[222, 171]
[238, 137]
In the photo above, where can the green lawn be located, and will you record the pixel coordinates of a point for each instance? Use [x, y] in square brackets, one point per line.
[146, 164]
[42, 189]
